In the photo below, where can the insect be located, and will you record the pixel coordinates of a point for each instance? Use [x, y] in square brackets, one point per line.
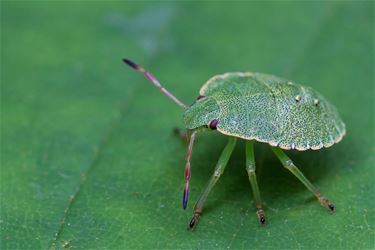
[257, 107]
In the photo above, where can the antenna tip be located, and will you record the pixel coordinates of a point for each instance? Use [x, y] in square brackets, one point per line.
[131, 64]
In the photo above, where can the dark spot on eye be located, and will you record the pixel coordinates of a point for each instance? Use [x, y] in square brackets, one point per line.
[200, 97]
[213, 124]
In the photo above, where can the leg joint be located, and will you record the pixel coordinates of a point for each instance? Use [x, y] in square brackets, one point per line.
[289, 164]
[250, 169]
[218, 172]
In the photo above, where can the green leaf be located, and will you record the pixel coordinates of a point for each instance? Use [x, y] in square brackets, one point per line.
[88, 158]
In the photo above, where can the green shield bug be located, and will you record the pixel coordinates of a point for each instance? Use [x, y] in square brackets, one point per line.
[257, 107]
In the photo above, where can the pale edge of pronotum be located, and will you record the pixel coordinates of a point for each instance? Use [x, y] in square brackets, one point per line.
[276, 144]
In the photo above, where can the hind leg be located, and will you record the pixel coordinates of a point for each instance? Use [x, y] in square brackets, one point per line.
[288, 164]
[250, 167]
[219, 170]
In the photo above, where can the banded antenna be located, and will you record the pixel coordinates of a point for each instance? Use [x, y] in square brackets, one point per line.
[155, 81]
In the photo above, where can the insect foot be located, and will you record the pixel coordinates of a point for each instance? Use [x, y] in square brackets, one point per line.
[326, 203]
[261, 217]
[194, 221]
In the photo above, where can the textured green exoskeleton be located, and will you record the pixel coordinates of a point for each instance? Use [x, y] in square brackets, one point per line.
[266, 108]
[257, 107]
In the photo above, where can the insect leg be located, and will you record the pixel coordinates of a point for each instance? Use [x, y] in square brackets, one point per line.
[185, 197]
[219, 169]
[250, 167]
[287, 163]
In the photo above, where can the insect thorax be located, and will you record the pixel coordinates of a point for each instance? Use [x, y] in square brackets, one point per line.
[201, 112]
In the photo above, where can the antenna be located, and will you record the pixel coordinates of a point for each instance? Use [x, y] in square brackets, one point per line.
[152, 79]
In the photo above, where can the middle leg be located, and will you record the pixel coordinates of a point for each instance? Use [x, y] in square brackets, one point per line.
[250, 167]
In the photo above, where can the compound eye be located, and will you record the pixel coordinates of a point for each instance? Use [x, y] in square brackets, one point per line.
[213, 124]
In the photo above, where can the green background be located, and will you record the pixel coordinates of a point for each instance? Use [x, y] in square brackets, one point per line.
[88, 158]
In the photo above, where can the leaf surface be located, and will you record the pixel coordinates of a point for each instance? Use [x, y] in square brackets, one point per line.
[88, 158]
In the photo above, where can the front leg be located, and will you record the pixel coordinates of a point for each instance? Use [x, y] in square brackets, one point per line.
[219, 169]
